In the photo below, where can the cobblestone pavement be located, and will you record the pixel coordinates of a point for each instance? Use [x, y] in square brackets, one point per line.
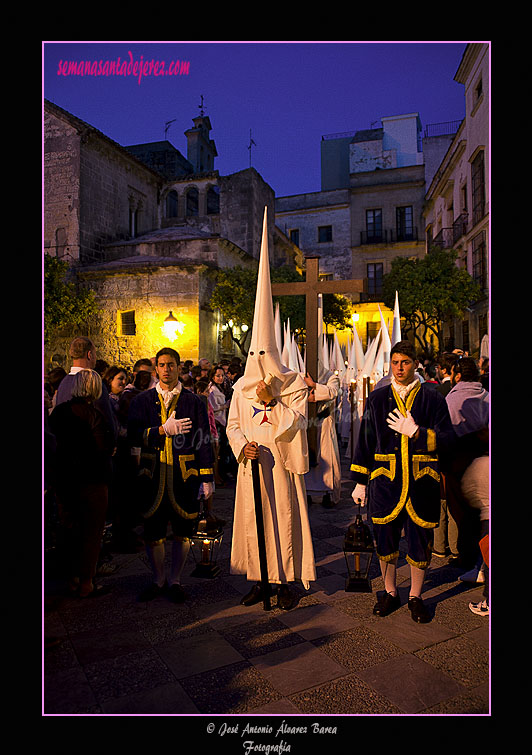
[328, 656]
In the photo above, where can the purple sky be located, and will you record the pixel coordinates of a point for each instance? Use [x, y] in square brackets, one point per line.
[288, 94]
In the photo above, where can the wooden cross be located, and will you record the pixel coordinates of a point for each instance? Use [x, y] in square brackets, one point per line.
[310, 289]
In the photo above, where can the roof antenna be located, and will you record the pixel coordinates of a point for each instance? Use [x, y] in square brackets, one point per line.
[167, 126]
[251, 144]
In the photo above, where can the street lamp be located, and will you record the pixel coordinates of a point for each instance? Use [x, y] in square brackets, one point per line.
[172, 326]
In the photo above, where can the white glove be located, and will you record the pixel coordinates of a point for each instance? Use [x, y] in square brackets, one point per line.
[403, 425]
[205, 489]
[174, 426]
[359, 494]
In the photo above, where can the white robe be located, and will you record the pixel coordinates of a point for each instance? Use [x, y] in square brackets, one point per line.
[326, 477]
[280, 433]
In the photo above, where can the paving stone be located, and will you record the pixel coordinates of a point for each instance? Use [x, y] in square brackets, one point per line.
[410, 683]
[297, 668]
[346, 695]
[236, 688]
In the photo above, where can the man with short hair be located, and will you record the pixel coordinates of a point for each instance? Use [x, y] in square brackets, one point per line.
[168, 430]
[404, 427]
[83, 355]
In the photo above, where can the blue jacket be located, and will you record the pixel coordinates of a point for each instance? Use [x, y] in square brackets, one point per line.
[398, 470]
[177, 465]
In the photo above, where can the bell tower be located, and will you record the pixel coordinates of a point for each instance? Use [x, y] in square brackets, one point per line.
[201, 150]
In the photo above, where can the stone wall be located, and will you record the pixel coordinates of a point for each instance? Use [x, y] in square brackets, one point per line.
[62, 188]
[112, 184]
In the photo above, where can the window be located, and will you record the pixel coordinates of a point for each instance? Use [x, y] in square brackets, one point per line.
[294, 236]
[477, 187]
[127, 325]
[375, 273]
[324, 233]
[192, 202]
[213, 200]
[372, 330]
[478, 248]
[171, 204]
[404, 218]
[374, 225]
[133, 222]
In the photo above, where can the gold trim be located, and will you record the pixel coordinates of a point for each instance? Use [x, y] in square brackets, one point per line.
[415, 518]
[431, 440]
[207, 470]
[357, 468]
[391, 557]
[419, 564]
[382, 470]
[183, 464]
[419, 472]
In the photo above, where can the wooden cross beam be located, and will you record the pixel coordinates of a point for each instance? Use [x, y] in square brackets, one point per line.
[310, 288]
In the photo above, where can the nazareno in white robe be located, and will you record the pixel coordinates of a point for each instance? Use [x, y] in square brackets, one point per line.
[280, 432]
[326, 477]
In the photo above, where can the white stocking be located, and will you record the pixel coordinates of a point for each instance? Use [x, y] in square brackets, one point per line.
[389, 571]
[417, 577]
[180, 549]
[156, 558]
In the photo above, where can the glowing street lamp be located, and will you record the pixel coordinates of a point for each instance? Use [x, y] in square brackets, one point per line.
[172, 326]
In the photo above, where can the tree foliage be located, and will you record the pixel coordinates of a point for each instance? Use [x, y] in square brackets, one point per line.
[431, 290]
[234, 296]
[64, 304]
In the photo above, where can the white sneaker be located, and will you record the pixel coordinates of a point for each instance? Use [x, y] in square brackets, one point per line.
[481, 609]
[475, 575]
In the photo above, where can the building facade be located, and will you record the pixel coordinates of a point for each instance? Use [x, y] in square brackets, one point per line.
[145, 228]
[456, 214]
[370, 208]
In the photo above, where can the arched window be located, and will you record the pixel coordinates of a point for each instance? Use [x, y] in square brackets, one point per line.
[213, 200]
[171, 204]
[192, 201]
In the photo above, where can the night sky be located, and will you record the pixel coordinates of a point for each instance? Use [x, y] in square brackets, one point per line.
[289, 94]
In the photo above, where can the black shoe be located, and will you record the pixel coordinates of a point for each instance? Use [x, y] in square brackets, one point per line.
[151, 592]
[285, 598]
[255, 595]
[176, 594]
[387, 605]
[418, 610]
[326, 501]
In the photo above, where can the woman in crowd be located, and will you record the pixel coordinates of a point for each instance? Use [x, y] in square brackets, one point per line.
[85, 444]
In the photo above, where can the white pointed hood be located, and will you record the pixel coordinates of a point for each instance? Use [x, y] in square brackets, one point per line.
[396, 328]
[263, 360]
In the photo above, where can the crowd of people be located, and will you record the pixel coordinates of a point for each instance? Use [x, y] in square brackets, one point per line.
[92, 473]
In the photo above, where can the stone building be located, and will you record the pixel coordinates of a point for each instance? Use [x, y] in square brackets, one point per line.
[145, 228]
[456, 215]
[370, 208]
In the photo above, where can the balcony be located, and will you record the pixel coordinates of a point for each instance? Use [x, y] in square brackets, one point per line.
[390, 236]
[444, 239]
[460, 227]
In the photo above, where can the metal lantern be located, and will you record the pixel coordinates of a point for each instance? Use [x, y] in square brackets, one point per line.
[205, 546]
[358, 552]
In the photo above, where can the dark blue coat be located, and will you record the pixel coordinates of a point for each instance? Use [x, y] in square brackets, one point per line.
[398, 470]
[177, 465]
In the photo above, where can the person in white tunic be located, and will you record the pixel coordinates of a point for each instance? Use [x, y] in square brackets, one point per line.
[326, 477]
[268, 421]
